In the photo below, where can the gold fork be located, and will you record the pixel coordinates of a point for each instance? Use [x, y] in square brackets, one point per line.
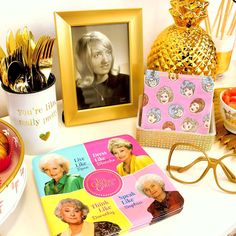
[45, 59]
[39, 79]
[39, 48]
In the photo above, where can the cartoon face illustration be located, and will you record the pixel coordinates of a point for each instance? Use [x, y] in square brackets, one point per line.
[145, 99]
[194, 107]
[152, 78]
[206, 121]
[207, 84]
[197, 105]
[168, 126]
[189, 125]
[176, 111]
[154, 115]
[165, 95]
[187, 88]
[173, 76]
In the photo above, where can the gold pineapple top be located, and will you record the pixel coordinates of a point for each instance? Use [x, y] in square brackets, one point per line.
[187, 13]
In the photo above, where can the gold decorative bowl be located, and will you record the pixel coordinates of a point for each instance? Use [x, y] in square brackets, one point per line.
[13, 178]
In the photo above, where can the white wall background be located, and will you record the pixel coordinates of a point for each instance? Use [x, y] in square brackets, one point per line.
[38, 17]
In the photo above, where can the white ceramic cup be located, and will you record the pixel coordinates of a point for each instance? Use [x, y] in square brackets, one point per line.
[35, 116]
[224, 49]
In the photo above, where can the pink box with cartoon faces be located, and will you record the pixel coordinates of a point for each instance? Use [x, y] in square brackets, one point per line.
[177, 102]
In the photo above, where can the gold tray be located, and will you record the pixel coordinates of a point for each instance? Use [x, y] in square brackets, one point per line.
[225, 137]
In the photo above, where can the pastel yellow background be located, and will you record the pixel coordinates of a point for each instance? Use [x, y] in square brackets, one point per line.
[49, 204]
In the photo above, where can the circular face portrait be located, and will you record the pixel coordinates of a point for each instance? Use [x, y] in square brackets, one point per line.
[145, 99]
[168, 126]
[154, 115]
[152, 78]
[187, 88]
[165, 95]
[189, 125]
[176, 111]
[206, 121]
[173, 76]
[197, 105]
[207, 84]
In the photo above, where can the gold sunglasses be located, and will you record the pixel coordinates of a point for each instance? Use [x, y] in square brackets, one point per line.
[190, 169]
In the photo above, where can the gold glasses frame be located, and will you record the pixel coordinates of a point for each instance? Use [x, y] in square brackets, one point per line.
[212, 164]
[65, 22]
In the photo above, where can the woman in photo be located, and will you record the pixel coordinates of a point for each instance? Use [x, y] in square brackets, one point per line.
[74, 212]
[122, 150]
[98, 82]
[57, 167]
[166, 203]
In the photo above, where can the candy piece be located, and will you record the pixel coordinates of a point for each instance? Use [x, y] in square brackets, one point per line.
[4, 146]
[3, 152]
[233, 99]
[232, 91]
[3, 138]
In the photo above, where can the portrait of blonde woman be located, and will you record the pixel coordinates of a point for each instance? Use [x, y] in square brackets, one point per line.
[98, 82]
[130, 163]
[74, 213]
[166, 203]
[57, 168]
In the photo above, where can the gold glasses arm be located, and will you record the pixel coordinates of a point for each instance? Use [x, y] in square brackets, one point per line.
[228, 172]
[181, 169]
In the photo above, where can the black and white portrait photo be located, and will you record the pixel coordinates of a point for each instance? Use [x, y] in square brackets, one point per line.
[101, 55]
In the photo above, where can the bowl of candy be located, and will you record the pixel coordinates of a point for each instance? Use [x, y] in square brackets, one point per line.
[12, 169]
[228, 108]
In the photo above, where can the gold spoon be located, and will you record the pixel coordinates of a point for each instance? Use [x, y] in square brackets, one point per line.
[10, 42]
[2, 53]
[3, 73]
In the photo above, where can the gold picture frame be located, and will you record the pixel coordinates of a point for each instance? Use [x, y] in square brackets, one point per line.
[75, 21]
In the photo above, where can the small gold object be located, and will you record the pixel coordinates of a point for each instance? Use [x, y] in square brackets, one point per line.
[10, 43]
[4, 146]
[23, 69]
[184, 47]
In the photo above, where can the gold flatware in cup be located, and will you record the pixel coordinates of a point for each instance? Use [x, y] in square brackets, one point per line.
[17, 78]
[10, 43]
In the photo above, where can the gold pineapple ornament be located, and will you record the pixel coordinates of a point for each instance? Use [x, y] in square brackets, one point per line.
[184, 47]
